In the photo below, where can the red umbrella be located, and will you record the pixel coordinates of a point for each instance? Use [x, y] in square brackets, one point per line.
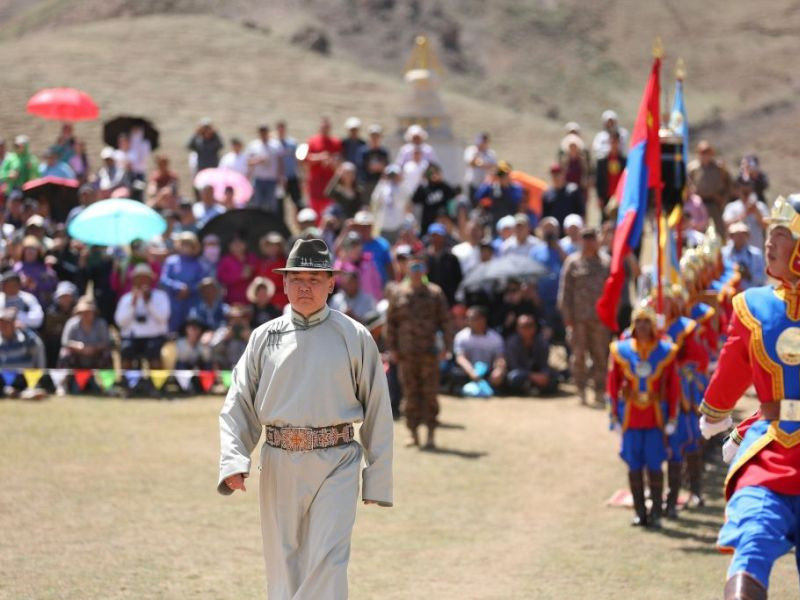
[63, 104]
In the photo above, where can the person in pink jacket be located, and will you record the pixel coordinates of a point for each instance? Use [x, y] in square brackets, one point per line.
[236, 270]
[352, 252]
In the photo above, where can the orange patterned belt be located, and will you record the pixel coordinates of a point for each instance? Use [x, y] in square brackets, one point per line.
[306, 439]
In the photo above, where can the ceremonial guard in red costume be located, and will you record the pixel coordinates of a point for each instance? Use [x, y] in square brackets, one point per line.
[763, 349]
[692, 362]
[643, 390]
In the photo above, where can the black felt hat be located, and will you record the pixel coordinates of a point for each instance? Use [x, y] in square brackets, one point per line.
[309, 255]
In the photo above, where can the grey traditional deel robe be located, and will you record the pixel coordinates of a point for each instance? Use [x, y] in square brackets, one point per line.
[313, 372]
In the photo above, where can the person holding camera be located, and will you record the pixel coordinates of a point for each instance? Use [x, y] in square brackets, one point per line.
[230, 340]
[748, 259]
[142, 316]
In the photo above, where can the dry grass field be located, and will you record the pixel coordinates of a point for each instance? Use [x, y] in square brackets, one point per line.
[109, 499]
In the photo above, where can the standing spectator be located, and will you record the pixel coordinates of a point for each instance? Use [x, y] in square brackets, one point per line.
[97, 268]
[272, 255]
[748, 258]
[573, 227]
[210, 310]
[110, 176]
[551, 255]
[266, 167]
[576, 166]
[433, 195]
[85, 341]
[186, 220]
[142, 316]
[230, 340]
[345, 191]
[291, 173]
[527, 355]
[161, 179]
[480, 161]
[417, 313]
[80, 161]
[522, 242]
[55, 318]
[206, 144]
[260, 295]
[351, 299]
[378, 247]
[443, 268]
[19, 166]
[416, 143]
[181, 277]
[608, 171]
[500, 195]
[352, 145]
[750, 172]
[235, 159]
[560, 199]
[29, 311]
[582, 278]
[352, 254]
[709, 179]
[468, 251]
[139, 151]
[86, 196]
[211, 252]
[37, 277]
[124, 264]
[14, 209]
[236, 270]
[374, 158]
[207, 207]
[65, 142]
[324, 152]
[603, 140]
[390, 203]
[751, 211]
[479, 355]
[53, 166]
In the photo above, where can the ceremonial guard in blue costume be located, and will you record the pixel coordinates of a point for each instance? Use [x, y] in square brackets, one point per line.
[762, 349]
[643, 390]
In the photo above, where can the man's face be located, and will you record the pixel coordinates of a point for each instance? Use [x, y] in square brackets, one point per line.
[142, 282]
[590, 245]
[705, 157]
[209, 294]
[325, 127]
[558, 179]
[375, 139]
[416, 270]
[308, 291]
[476, 321]
[207, 195]
[350, 284]
[739, 239]
[281, 130]
[642, 329]
[11, 287]
[526, 328]
[263, 133]
[522, 231]
[780, 246]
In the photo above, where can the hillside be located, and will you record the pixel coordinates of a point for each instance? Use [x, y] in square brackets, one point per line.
[518, 69]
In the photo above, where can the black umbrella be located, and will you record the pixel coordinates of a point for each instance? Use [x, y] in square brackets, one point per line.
[502, 269]
[59, 193]
[251, 224]
[124, 124]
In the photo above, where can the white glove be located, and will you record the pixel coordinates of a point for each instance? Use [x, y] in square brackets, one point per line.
[669, 429]
[729, 450]
[709, 430]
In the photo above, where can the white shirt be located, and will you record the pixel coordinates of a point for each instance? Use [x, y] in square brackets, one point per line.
[475, 175]
[155, 313]
[602, 142]
[468, 256]
[29, 311]
[737, 211]
[271, 151]
[234, 162]
[512, 246]
[390, 204]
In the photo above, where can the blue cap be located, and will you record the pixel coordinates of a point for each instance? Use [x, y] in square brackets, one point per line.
[437, 228]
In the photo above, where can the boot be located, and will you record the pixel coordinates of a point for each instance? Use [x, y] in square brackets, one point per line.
[674, 482]
[636, 482]
[694, 465]
[656, 479]
[744, 586]
[429, 442]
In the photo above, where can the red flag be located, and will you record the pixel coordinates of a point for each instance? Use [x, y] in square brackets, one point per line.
[207, 379]
[642, 173]
[82, 377]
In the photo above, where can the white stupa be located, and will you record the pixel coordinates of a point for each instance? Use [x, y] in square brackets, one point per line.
[424, 107]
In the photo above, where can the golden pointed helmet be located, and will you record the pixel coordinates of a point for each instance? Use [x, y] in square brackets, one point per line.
[644, 310]
[786, 213]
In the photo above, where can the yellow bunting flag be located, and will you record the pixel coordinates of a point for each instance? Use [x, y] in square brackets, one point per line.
[32, 376]
[159, 377]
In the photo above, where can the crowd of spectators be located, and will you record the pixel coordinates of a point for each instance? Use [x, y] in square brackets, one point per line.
[518, 276]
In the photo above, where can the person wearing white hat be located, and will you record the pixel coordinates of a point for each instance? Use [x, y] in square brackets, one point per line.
[352, 144]
[602, 140]
[264, 158]
[748, 258]
[571, 242]
[416, 147]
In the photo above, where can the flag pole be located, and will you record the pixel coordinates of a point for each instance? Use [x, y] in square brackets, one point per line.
[658, 53]
[680, 73]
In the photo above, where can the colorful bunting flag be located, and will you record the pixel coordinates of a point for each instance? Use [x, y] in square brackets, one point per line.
[184, 379]
[207, 379]
[9, 377]
[225, 378]
[82, 377]
[58, 376]
[32, 376]
[133, 377]
[159, 378]
[106, 378]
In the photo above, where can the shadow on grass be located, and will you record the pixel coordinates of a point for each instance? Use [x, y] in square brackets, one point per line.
[468, 454]
[441, 425]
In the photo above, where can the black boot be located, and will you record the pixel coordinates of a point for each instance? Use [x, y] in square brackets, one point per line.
[694, 465]
[674, 482]
[636, 482]
[656, 479]
[744, 586]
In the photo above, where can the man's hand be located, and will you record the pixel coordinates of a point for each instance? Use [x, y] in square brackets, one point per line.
[236, 482]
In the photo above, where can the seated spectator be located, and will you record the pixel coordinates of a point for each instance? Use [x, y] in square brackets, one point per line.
[351, 299]
[111, 176]
[55, 319]
[85, 342]
[230, 340]
[37, 277]
[142, 316]
[186, 220]
[209, 309]
[20, 348]
[53, 166]
[345, 191]
[522, 242]
[207, 207]
[526, 359]
[236, 270]
[479, 356]
[162, 178]
[748, 259]
[260, 295]
[516, 301]
[571, 242]
[272, 255]
[180, 278]
[125, 263]
[390, 202]
[331, 224]
[499, 195]
[211, 252]
[352, 252]
[190, 350]
[444, 269]
[29, 311]
[468, 251]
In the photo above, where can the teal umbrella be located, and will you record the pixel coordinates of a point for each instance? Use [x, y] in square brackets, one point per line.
[116, 222]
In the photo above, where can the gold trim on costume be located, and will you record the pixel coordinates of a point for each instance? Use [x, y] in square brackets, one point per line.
[757, 347]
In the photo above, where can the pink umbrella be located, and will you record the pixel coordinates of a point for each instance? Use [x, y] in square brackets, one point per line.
[63, 104]
[219, 179]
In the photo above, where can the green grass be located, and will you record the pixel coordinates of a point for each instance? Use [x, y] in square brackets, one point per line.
[116, 499]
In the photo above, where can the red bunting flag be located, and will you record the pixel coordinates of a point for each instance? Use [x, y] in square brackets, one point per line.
[207, 379]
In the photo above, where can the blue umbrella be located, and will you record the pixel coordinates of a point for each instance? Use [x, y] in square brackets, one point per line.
[116, 222]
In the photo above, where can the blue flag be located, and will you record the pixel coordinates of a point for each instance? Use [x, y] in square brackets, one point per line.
[679, 123]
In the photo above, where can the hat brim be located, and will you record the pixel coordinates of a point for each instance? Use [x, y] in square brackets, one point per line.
[306, 269]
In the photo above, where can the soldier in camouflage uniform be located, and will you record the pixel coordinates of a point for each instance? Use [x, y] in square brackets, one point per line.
[582, 278]
[418, 310]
